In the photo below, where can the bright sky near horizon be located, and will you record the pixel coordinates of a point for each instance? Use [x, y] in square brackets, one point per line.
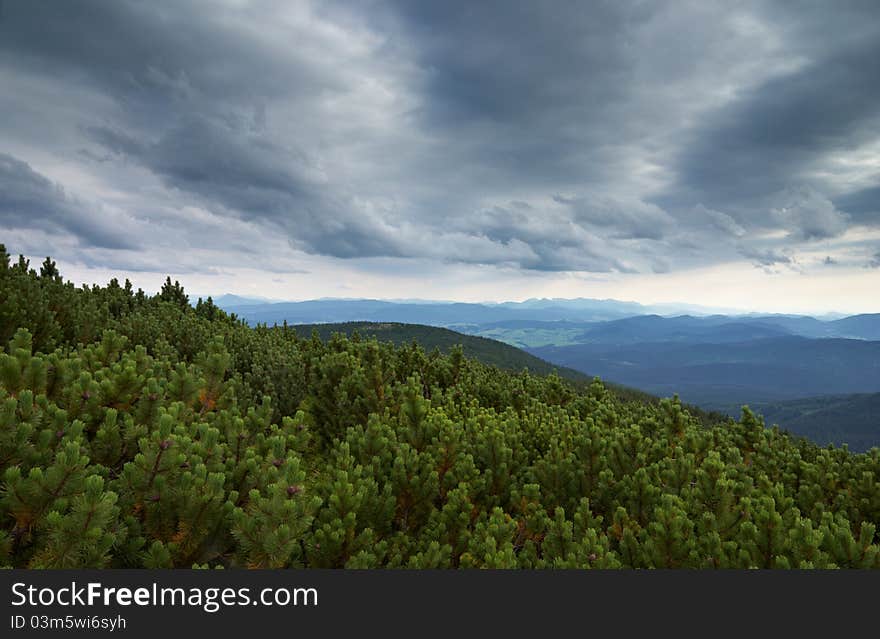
[698, 152]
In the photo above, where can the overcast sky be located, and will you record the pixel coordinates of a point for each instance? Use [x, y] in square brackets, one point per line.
[720, 153]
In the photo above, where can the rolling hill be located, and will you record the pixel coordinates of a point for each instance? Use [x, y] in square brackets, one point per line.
[782, 364]
[488, 351]
[601, 320]
[429, 313]
[169, 435]
[682, 328]
[713, 375]
[686, 328]
[865, 326]
[837, 419]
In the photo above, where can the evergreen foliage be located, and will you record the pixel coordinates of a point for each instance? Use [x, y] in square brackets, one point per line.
[140, 431]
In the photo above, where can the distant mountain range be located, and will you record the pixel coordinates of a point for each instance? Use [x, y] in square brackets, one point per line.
[711, 328]
[716, 361]
[449, 314]
[636, 320]
[230, 301]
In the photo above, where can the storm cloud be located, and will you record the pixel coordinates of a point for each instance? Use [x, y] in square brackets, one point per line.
[608, 137]
[30, 200]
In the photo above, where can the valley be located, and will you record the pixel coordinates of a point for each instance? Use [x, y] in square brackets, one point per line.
[776, 364]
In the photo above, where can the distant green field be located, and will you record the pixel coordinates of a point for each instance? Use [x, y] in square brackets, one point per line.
[533, 337]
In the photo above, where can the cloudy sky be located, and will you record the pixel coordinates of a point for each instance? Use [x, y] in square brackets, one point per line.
[718, 153]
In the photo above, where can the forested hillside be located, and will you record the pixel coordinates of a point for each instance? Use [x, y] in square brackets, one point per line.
[718, 374]
[140, 430]
[854, 419]
[488, 351]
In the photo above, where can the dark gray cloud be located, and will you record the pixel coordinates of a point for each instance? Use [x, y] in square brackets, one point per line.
[625, 218]
[769, 155]
[862, 205]
[608, 137]
[519, 68]
[154, 56]
[765, 257]
[114, 141]
[30, 200]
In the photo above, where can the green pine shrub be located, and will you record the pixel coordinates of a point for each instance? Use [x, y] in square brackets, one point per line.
[141, 431]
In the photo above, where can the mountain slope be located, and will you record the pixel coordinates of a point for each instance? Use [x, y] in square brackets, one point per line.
[372, 468]
[685, 328]
[714, 375]
[865, 326]
[161, 435]
[838, 419]
[488, 351]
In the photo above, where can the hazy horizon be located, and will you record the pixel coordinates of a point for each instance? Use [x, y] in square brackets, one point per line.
[152, 282]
